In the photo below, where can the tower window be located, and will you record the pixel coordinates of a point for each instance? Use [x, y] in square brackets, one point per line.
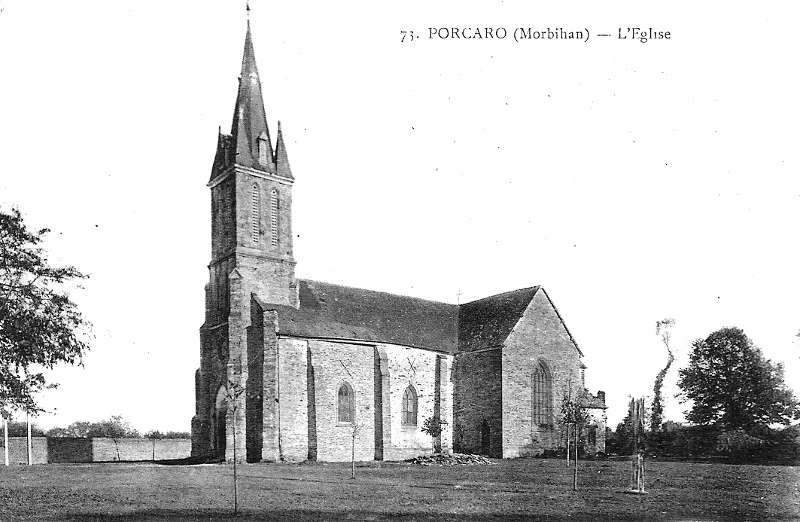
[263, 143]
[346, 403]
[273, 217]
[409, 409]
[542, 395]
[254, 215]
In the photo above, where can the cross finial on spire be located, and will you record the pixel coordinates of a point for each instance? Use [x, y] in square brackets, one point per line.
[248, 10]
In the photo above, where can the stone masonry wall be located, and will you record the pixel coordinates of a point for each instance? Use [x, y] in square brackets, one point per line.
[477, 398]
[237, 368]
[539, 335]
[211, 375]
[18, 450]
[598, 421]
[293, 396]
[53, 450]
[334, 363]
[415, 367]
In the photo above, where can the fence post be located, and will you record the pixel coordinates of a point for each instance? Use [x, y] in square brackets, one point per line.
[5, 437]
[30, 445]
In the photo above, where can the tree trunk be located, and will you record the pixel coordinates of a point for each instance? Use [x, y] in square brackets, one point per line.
[568, 435]
[353, 456]
[235, 492]
[5, 437]
[30, 445]
[575, 475]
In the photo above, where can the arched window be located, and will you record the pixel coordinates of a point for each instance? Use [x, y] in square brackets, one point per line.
[273, 217]
[263, 143]
[346, 402]
[254, 214]
[409, 409]
[542, 395]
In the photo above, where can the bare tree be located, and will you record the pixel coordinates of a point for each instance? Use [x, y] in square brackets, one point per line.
[356, 430]
[575, 416]
[233, 390]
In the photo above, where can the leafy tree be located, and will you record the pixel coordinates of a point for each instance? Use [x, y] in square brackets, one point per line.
[76, 429]
[114, 428]
[733, 387]
[432, 426]
[154, 435]
[177, 435]
[20, 429]
[39, 325]
[575, 415]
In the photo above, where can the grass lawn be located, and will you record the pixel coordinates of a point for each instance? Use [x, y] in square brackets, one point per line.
[523, 489]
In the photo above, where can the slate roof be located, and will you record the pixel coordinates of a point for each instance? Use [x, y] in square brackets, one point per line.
[487, 322]
[331, 311]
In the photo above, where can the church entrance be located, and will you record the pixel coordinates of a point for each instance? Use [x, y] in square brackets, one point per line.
[485, 438]
[220, 416]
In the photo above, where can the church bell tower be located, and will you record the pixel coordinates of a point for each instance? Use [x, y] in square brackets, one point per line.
[251, 254]
[251, 202]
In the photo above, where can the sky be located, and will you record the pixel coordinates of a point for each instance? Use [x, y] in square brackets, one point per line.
[635, 181]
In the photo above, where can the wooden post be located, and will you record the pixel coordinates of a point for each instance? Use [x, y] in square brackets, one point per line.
[568, 435]
[5, 437]
[575, 474]
[353, 456]
[30, 445]
[636, 414]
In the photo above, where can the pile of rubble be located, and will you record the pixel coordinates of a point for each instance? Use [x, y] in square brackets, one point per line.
[455, 459]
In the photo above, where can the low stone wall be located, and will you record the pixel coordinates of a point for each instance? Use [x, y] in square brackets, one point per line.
[64, 450]
[105, 450]
[18, 450]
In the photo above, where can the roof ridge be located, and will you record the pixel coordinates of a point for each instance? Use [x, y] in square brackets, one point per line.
[535, 289]
[378, 292]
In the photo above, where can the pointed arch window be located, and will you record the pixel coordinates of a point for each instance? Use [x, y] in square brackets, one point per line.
[263, 143]
[346, 404]
[542, 400]
[254, 214]
[273, 217]
[409, 407]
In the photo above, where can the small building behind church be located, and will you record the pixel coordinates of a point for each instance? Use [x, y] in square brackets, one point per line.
[293, 369]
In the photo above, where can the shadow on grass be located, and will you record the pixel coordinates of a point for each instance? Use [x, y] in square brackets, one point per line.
[308, 515]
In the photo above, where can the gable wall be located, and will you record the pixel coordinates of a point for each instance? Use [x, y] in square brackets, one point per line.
[539, 334]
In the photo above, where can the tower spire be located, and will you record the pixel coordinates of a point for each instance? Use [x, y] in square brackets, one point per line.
[249, 131]
[281, 158]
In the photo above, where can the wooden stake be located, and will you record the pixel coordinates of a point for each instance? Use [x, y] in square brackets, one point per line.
[30, 445]
[5, 437]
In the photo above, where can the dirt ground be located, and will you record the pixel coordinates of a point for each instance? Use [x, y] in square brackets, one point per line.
[523, 489]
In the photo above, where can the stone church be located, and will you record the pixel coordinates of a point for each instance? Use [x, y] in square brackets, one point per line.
[294, 369]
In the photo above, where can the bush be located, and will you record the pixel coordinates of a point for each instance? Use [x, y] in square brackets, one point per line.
[20, 429]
